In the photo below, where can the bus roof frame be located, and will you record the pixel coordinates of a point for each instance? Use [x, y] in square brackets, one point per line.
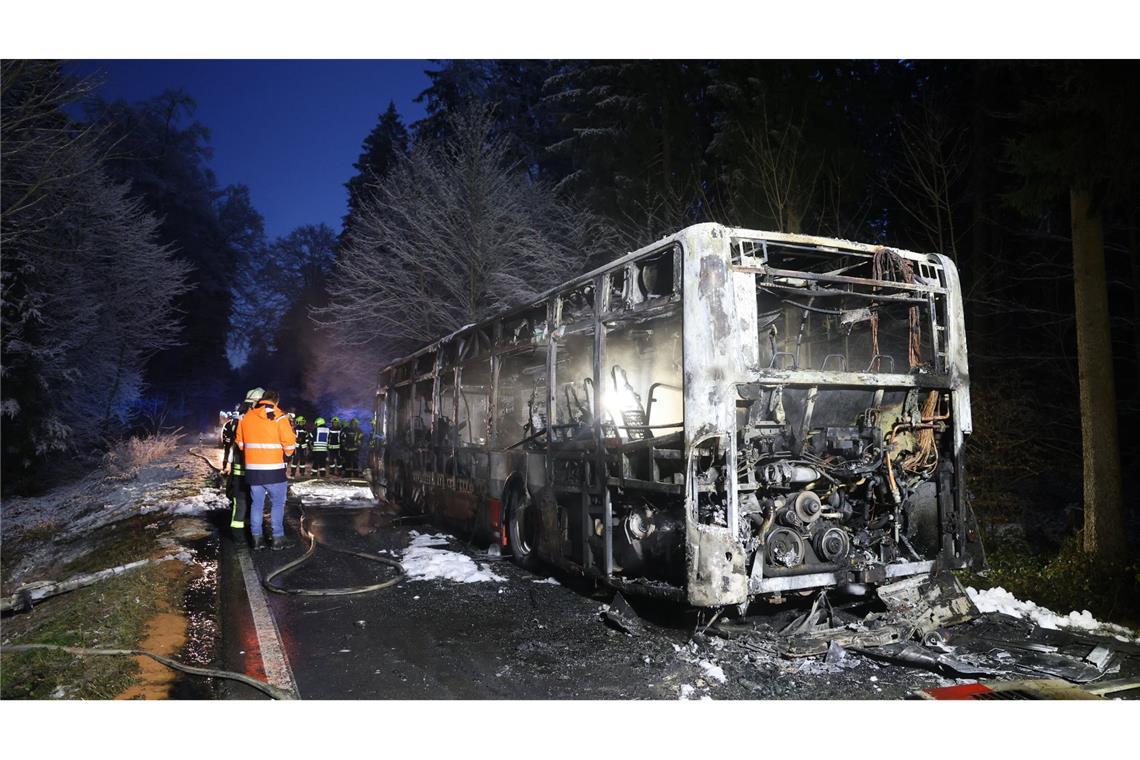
[817, 243]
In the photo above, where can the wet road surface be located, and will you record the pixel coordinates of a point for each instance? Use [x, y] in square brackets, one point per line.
[523, 637]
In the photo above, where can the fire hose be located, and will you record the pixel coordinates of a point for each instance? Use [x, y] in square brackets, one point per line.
[261, 686]
[197, 452]
[313, 544]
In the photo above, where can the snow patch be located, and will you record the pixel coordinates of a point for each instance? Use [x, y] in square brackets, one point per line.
[423, 560]
[325, 494]
[199, 503]
[997, 599]
[548, 581]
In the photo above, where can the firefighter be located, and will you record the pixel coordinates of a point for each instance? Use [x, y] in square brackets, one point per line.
[265, 437]
[350, 445]
[237, 490]
[289, 457]
[300, 459]
[320, 448]
[335, 464]
[229, 430]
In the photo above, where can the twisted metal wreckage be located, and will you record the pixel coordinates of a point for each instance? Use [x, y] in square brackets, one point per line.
[805, 406]
[723, 415]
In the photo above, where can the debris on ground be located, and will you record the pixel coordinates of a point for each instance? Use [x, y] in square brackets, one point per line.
[997, 599]
[621, 616]
[925, 623]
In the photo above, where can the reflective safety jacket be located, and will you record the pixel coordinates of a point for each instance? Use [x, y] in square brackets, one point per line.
[265, 437]
[302, 438]
[350, 439]
[321, 439]
[334, 439]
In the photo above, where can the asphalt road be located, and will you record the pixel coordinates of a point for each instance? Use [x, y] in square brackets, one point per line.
[523, 637]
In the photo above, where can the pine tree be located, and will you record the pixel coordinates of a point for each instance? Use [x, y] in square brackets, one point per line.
[387, 141]
[636, 134]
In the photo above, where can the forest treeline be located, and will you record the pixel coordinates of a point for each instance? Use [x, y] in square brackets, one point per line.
[523, 173]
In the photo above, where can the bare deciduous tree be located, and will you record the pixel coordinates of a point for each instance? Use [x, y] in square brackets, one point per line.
[454, 233]
[934, 154]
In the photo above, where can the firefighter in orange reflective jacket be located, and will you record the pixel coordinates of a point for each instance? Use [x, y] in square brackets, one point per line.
[265, 437]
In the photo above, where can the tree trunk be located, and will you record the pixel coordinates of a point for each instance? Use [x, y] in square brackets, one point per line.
[1134, 255]
[1103, 508]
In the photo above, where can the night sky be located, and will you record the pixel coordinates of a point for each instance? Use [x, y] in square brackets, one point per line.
[290, 130]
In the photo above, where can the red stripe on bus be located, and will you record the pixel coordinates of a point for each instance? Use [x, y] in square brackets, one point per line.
[495, 510]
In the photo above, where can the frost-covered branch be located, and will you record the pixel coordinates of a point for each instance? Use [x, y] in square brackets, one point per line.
[88, 291]
[455, 232]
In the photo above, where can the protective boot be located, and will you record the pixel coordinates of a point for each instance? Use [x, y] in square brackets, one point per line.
[258, 543]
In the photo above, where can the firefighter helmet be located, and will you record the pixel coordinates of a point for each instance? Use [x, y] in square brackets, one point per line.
[300, 419]
[254, 395]
[319, 422]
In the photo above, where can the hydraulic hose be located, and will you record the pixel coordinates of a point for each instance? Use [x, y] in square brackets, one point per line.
[313, 543]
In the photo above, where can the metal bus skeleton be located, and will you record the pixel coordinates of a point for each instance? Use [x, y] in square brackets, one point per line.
[721, 415]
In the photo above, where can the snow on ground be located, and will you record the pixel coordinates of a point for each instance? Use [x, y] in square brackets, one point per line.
[550, 581]
[997, 599]
[325, 494]
[70, 513]
[424, 561]
[200, 503]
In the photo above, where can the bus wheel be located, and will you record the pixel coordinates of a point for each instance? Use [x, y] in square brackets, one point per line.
[522, 530]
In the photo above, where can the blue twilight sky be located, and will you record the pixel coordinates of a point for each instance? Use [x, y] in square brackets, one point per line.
[290, 130]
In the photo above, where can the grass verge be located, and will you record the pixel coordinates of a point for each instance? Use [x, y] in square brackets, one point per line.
[111, 614]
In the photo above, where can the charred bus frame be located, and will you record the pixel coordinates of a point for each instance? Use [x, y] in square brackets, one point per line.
[723, 414]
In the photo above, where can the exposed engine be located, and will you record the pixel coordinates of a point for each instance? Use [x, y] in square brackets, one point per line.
[840, 478]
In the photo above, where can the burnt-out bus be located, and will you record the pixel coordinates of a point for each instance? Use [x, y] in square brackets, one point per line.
[721, 415]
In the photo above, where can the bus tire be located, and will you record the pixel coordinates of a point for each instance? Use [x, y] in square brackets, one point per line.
[520, 539]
